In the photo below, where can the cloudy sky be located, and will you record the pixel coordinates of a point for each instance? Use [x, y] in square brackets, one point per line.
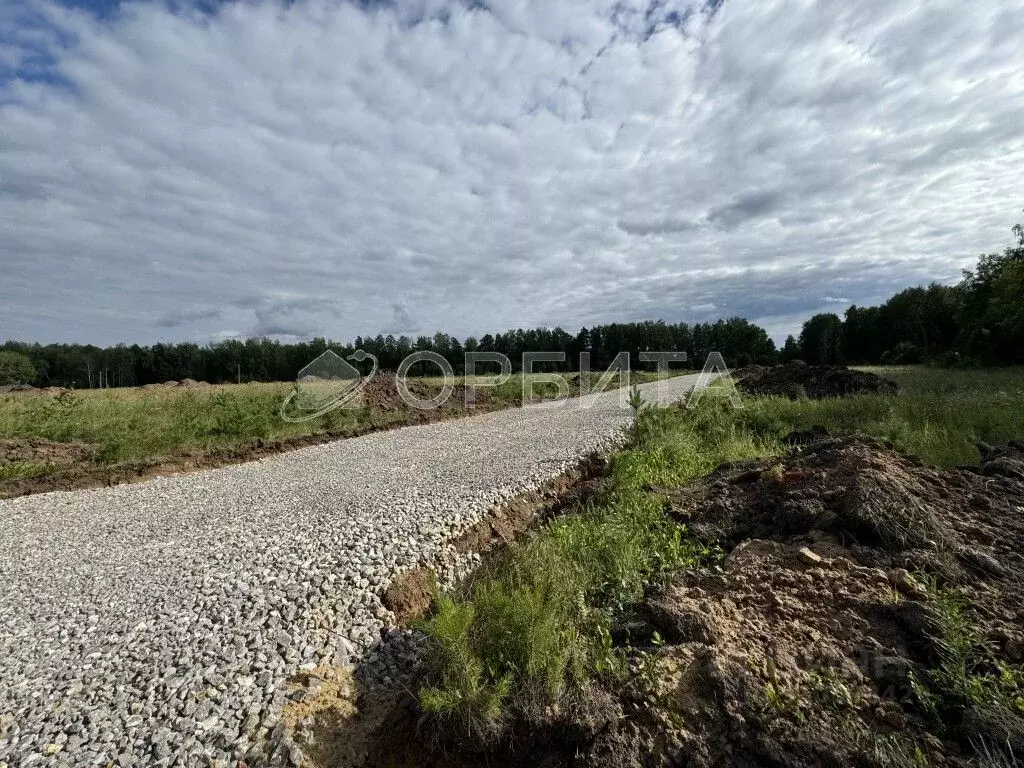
[202, 170]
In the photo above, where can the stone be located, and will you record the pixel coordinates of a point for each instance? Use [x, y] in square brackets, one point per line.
[809, 557]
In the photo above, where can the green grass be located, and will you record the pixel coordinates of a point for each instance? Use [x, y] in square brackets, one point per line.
[129, 424]
[529, 629]
[966, 674]
[939, 416]
[134, 424]
[24, 469]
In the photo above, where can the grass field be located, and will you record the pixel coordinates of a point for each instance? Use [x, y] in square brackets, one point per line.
[535, 626]
[124, 425]
[939, 415]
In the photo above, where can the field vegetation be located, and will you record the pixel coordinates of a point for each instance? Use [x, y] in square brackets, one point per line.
[939, 414]
[531, 631]
[120, 425]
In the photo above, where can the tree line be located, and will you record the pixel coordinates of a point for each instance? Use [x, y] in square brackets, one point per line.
[262, 359]
[978, 321]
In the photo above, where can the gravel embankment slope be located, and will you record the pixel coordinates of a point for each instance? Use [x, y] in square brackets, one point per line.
[152, 624]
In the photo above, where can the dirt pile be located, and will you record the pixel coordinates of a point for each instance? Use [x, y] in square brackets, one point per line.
[869, 611]
[381, 392]
[796, 380]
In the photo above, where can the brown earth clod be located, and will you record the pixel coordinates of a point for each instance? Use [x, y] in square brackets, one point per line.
[40, 450]
[410, 594]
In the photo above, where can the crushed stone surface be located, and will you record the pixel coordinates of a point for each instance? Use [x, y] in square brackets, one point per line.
[155, 624]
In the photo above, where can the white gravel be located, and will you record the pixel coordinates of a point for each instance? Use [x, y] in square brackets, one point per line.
[153, 624]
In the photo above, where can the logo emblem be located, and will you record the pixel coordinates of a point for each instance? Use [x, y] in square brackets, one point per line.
[327, 383]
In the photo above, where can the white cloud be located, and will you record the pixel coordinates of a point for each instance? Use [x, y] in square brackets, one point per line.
[323, 169]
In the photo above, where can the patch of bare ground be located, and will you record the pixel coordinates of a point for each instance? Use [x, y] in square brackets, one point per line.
[410, 594]
[37, 449]
[822, 638]
[797, 380]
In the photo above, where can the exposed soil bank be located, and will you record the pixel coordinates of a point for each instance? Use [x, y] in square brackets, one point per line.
[796, 380]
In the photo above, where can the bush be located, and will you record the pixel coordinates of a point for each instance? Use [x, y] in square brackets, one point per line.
[904, 353]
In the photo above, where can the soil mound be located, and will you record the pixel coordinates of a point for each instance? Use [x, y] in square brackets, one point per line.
[868, 612]
[382, 392]
[796, 380]
[878, 505]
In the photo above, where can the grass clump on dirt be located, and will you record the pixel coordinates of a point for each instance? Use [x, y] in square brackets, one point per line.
[24, 469]
[966, 674]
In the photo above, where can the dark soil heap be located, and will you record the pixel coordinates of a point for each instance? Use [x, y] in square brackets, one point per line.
[381, 392]
[821, 637]
[795, 380]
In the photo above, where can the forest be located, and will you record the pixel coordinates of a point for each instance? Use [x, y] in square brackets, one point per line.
[74, 365]
[978, 321]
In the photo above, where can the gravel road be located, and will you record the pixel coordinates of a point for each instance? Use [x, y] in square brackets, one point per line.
[153, 624]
